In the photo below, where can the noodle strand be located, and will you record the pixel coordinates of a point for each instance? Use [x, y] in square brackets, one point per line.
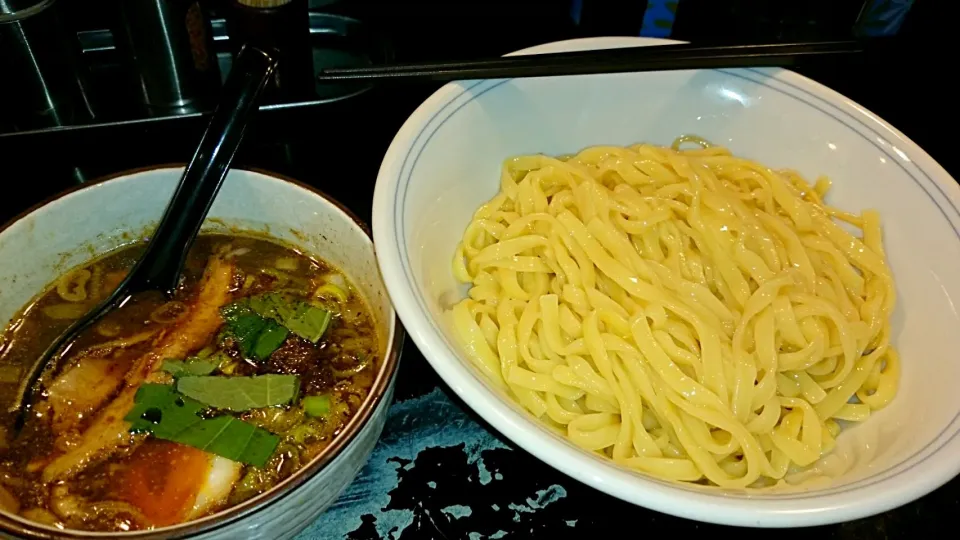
[684, 312]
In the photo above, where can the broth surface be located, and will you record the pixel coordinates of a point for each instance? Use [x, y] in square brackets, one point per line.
[287, 327]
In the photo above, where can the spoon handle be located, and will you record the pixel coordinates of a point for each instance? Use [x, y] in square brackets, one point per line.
[159, 269]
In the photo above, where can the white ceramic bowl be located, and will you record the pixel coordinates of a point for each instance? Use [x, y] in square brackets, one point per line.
[445, 161]
[36, 248]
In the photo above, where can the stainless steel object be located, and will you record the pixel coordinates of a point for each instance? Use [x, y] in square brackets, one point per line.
[43, 78]
[284, 26]
[167, 46]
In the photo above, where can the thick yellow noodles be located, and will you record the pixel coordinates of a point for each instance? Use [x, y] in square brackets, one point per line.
[684, 312]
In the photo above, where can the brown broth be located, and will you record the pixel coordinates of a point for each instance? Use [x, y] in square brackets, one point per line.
[121, 493]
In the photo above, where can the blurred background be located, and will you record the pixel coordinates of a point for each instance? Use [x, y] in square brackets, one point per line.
[116, 84]
[115, 60]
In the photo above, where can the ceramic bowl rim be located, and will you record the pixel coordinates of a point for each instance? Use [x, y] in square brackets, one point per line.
[28, 529]
[714, 507]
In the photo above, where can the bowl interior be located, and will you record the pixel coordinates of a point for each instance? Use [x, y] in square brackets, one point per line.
[446, 162]
[69, 231]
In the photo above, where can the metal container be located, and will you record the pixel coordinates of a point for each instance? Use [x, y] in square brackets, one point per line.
[282, 25]
[167, 47]
[44, 79]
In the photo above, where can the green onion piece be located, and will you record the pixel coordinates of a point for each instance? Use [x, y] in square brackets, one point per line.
[316, 406]
[205, 352]
[329, 289]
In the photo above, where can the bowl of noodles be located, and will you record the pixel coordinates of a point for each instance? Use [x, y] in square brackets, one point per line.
[723, 295]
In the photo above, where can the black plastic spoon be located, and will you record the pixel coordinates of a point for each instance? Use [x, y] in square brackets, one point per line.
[159, 267]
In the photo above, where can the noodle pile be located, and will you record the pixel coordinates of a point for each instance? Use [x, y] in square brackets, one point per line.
[684, 312]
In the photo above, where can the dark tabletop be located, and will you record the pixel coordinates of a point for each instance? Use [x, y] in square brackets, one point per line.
[439, 471]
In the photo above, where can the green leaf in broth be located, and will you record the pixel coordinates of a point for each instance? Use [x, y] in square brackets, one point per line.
[183, 368]
[166, 414]
[256, 335]
[241, 393]
[303, 319]
[244, 325]
[270, 339]
[231, 438]
[310, 322]
[231, 312]
[160, 410]
[271, 306]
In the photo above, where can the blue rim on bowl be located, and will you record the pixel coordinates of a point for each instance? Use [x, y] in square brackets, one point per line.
[391, 233]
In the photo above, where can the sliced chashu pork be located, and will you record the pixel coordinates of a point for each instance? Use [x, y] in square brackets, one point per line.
[163, 483]
[108, 431]
[94, 377]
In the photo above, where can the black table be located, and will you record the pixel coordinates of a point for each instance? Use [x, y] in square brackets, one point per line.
[439, 471]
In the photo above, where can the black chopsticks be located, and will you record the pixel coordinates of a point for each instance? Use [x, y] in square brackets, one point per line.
[658, 58]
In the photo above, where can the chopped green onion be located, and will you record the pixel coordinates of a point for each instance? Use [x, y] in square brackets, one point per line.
[227, 365]
[249, 281]
[328, 290]
[286, 263]
[205, 352]
[316, 406]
